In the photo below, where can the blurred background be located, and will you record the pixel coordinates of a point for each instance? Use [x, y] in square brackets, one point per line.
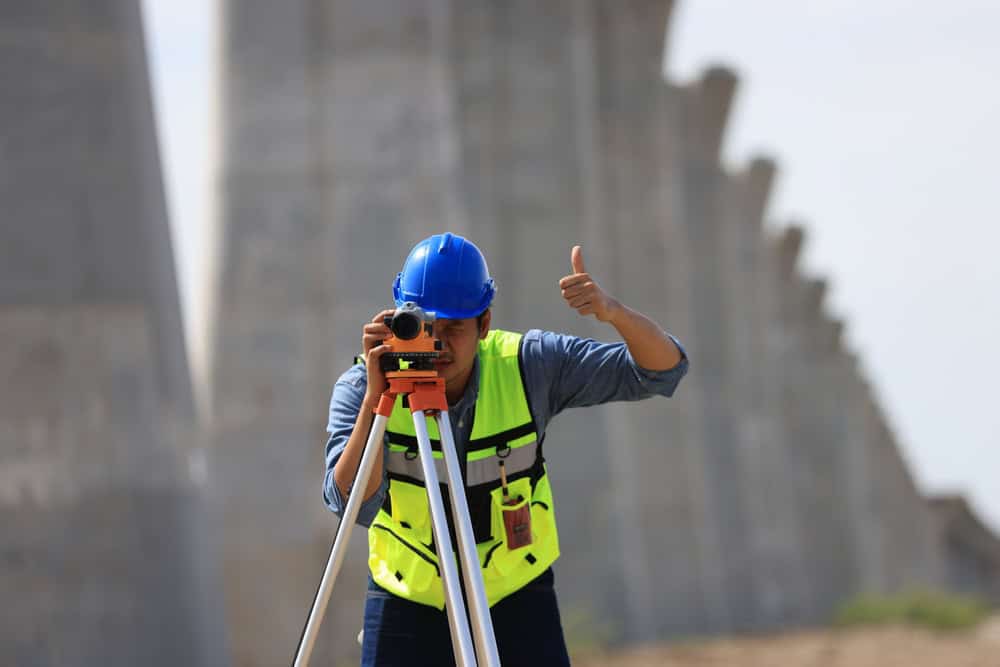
[203, 201]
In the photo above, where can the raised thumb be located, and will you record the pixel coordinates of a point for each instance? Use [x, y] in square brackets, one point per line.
[576, 259]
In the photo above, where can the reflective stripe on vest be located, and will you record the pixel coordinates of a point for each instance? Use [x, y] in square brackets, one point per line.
[402, 463]
[402, 554]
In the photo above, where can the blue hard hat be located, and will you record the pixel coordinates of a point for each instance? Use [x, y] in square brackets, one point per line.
[446, 274]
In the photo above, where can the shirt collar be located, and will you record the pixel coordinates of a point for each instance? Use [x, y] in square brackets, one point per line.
[468, 399]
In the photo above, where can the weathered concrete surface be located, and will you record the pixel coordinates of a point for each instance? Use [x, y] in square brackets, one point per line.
[752, 299]
[522, 88]
[797, 395]
[666, 542]
[341, 155]
[824, 449]
[860, 478]
[105, 552]
[972, 551]
[864, 528]
[705, 107]
[355, 129]
[698, 585]
[270, 318]
[913, 556]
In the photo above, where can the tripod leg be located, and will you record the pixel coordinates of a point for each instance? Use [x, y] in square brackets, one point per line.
[461, 640]
[339, 550]
[479, 609]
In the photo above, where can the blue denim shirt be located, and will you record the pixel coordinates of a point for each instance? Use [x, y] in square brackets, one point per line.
[560, 372]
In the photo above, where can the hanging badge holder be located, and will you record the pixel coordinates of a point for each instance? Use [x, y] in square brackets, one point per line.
[517, 519]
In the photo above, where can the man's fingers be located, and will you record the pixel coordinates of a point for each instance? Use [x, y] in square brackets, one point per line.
[579, 301]
[575, 279]
[576, 290]
[380, 318]
[576, 259]
[378, 351]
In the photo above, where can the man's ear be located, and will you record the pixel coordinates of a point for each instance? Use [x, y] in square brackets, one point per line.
[484, 328]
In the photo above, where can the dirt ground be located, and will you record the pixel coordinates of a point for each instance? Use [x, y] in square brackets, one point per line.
[863, 647]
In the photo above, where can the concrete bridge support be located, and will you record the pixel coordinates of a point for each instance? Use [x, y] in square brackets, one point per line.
[105, 557]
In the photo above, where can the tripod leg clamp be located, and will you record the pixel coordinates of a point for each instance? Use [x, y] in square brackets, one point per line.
[385, 404]
[424, 400]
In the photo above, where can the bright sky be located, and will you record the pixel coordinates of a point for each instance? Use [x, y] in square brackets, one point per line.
[885, 120]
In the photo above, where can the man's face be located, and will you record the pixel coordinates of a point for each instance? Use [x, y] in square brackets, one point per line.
[459, 343]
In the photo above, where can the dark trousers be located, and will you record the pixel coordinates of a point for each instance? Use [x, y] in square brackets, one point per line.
[526, 624]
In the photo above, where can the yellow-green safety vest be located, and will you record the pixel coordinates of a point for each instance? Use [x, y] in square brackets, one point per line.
[401, 551]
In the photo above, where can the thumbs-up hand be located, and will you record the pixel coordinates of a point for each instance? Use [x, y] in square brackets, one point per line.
[583, 293]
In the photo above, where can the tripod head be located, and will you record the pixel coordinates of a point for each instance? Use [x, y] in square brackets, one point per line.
[414, 346]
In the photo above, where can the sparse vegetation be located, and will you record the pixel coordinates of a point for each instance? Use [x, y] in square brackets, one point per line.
[586, 633]
[935, 610]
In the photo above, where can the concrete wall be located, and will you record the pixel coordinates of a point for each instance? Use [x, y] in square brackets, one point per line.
[105, 554]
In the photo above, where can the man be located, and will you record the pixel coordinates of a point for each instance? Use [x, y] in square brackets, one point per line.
[502, 389]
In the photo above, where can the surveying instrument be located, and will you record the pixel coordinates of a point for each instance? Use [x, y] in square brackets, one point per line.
[410, 372]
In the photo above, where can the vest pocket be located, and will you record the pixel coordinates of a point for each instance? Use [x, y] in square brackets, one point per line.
[400, 567]
[413, 572]
[543, 524]
[519, 491]
[506, 569]
[411, 510]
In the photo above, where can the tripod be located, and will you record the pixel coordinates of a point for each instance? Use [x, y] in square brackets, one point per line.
[426, 394]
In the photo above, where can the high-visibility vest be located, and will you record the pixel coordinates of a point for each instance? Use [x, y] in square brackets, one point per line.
[401, 552]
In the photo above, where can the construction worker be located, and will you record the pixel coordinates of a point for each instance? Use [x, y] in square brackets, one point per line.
[502, 390]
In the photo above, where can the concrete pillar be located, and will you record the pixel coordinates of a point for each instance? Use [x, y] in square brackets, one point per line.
[913, 556]
[686, 426]
[890, 551]
[705, 107]
[818, 443]
[105, 559]
[525, 82]
[833, 362]
[271, 356]
[389, 133]
[795, 395]
[834, 417]
[752, 303]
[971, 551]
[861, 482]
[823, 456]
[342, 154]
[663, 521]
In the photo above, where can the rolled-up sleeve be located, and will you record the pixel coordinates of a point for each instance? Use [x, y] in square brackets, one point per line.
[345, 402]
[663, 383]
[579, 372]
